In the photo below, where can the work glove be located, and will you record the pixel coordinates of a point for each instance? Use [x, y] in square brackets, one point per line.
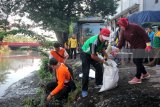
[148, 47]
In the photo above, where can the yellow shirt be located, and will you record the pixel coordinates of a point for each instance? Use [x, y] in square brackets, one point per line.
[73, 43]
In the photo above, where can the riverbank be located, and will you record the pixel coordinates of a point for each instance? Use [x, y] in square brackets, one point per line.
[20, 90]
[124, 95]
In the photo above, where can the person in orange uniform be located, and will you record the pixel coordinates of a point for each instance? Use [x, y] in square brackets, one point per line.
[60, 88]
[59, 53]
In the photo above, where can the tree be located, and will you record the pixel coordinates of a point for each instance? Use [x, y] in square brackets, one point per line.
[12, 7]
[6, 8]
[57, 15]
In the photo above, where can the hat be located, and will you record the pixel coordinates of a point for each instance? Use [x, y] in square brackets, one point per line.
[105, 33]
[123, 22]
[53, 61]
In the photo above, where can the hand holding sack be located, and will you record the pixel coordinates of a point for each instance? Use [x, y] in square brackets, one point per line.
[115, 52]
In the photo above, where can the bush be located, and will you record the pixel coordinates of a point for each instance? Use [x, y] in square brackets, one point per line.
[44, 73]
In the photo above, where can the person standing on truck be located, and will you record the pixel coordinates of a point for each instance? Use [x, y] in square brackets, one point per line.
[95, 44]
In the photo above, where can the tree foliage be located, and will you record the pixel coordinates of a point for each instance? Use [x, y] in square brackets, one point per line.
[57, 14]
[6, 8]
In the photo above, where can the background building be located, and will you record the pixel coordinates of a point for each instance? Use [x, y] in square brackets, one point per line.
[128, 7]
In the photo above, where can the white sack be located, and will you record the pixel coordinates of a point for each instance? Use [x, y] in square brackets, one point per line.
[110, 76]
[91, 74]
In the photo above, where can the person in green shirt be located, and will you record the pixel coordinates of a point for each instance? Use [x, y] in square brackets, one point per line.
[95, 44]
[156, 45]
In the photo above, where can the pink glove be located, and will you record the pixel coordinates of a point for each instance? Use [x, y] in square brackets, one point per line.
[148, 48]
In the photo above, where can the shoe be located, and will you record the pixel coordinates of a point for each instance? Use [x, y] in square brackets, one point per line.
[98, 86]
[84, 93]
[145, 76]
[151, 64]
[135, 80]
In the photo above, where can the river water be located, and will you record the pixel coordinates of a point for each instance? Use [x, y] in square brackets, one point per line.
[15, 66]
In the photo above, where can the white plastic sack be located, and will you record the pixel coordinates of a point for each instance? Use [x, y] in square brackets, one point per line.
[110, 76]
[91, 74]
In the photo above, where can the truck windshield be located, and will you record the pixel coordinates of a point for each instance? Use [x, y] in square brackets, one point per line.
[90, 29]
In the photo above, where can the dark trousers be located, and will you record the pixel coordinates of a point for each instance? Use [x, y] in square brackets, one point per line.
[139, 65]
[86, 61]
[138, 56]
[157, 56]
[73, 51]
[63, 94]
[149, 56]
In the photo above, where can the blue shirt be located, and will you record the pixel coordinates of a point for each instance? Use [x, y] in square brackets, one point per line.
[151, 36]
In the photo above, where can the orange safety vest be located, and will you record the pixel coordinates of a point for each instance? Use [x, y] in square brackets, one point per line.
[58, 57]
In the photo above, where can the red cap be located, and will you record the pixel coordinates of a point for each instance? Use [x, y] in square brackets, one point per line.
[105, 32]
[123, 22]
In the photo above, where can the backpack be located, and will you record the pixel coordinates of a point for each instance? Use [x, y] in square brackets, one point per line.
[71, 83]
[70, 70]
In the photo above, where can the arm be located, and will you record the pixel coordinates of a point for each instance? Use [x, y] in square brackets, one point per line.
[141, 32]
[94, 55]
[96, 58]
[66, 56]
[50, 55]
[61, 79]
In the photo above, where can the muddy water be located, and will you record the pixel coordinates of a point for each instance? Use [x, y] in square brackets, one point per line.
[15, 66]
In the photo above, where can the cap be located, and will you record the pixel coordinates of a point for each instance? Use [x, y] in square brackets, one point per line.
[123, 22]
[53, 61]
[105, 32]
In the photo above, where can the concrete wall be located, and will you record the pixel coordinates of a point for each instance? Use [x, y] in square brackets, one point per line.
[151, 5]
[144, 5]
[124, 4]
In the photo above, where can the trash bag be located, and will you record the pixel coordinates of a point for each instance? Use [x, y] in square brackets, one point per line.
[91, 74]
[110, 75]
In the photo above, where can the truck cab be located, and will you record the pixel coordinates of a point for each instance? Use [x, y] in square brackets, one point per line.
[87, 27]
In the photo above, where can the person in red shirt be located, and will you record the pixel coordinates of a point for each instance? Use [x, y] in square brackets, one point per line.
[59, 88]
[139, 43]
